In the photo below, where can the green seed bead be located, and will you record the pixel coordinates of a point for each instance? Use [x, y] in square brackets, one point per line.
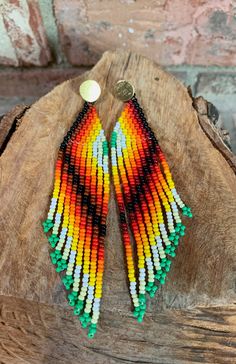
[135, 313]
[53, 237]
[92, 331]
[140, 319]
[71, 296]
[142, 312]
[154, 289]
[65, 279]
[47, 225]
[57, 253]
[142, 298]
[91, 335]
[80, 304]
[77, 311]
[143, 307]
[59, 269]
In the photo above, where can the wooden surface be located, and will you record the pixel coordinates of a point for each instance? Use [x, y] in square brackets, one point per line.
[193, 318]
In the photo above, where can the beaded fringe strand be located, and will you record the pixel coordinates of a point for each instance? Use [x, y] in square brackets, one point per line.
[77, 215]
[147, 200]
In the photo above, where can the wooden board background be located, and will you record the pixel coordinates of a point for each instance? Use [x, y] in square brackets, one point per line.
[193, 318]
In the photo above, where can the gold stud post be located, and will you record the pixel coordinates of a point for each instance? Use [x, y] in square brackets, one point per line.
[123, 90]
[90, 91]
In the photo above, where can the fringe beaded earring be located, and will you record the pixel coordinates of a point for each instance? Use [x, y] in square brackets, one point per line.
[147, 200]
[78, 210]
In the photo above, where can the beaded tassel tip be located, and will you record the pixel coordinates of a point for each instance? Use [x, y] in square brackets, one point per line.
[147, 201]
[78, 210]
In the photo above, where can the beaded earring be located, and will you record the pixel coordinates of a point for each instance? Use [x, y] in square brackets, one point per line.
[147, 200]
[78, 210]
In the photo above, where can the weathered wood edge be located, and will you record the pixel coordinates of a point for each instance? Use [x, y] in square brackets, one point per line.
[211, 131]
[9, 123]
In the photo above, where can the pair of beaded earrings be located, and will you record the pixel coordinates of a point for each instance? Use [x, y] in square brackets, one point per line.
[147, 201]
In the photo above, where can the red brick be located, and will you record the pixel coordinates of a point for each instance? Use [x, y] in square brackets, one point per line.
[89, 28]
[168, 31]
[215, 39]
[24, 28]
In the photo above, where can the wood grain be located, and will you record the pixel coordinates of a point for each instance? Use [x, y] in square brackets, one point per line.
[192, 319]
[33, 333]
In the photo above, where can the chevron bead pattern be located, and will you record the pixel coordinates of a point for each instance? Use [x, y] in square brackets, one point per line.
[148, 203]
[77, 215]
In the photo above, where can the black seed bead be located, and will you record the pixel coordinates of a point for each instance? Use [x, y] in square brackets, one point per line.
[71, 169]
[76, 179]
[85, 200]
[130, 207]
[122, 217]
[103, 228]
[81, 188]
[139, 188]
[96, 219]
[67, 158]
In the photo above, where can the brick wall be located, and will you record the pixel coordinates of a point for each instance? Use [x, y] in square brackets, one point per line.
[47, 41]
[196, 32]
